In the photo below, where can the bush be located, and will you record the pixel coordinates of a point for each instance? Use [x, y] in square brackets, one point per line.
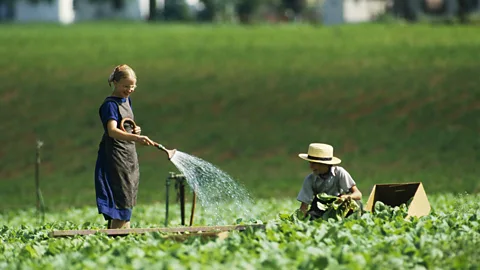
[176, 10]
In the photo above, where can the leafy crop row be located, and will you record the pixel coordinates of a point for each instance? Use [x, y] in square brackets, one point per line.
[447, 238]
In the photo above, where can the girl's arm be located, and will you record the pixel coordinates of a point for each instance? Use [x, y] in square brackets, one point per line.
[119, 134]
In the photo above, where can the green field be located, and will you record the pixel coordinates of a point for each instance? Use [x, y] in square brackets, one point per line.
[399, 103]
[446, 239]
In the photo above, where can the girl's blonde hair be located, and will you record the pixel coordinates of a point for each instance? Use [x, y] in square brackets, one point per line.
[120, 72]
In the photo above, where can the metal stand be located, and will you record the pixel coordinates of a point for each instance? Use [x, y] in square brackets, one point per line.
[180, 188]
[40, 202]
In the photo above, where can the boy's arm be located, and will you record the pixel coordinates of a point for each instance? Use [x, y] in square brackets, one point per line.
[355, 194]
[347, 183]
[304, 207]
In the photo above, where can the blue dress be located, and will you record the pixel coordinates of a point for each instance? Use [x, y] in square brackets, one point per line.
[105, 188]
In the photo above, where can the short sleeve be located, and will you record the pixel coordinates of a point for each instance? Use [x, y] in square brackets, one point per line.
[306, 193]
[109, 110]
[345, 179]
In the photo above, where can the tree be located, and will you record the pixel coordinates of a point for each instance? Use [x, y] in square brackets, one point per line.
[176, 10]
[464, 8]
[116, 4]
[210, 10]
[245, 9]
[297, 6]
[152, 10]
[411, 10]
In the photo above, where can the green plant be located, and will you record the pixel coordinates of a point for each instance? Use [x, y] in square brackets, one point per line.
[446, 238]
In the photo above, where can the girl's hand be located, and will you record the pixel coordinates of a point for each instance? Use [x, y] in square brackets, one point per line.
[145, 140]
[137, 130]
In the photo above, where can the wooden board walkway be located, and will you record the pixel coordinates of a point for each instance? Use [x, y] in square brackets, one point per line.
[208, 230]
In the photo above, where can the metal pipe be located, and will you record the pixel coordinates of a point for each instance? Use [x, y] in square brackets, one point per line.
[40, 203]
[37, 175]
[166, 203]
[180, 190]
[194, 199]
[182, 200]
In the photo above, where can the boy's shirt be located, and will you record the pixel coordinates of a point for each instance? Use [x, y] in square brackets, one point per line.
[338, 181]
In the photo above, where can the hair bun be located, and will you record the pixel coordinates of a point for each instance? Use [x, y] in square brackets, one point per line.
[119, 72]
[112, 76]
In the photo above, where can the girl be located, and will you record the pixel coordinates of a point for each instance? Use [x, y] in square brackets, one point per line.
[117, 169]
[325, 178]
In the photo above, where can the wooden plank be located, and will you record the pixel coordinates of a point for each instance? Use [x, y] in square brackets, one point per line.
[206, 235]
[122, 232]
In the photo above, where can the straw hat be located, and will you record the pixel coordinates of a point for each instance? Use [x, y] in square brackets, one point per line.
[320, 153]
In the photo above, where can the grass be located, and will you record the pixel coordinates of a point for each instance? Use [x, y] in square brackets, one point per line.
[398, 102]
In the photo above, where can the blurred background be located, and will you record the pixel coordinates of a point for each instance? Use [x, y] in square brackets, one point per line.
[246, 85]
[238, 11]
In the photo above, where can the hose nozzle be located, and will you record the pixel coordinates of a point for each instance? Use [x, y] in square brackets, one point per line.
[161, 147]
[170, 153]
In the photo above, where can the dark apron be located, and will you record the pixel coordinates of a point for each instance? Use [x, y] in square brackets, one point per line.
[122, 163]
[315, 212]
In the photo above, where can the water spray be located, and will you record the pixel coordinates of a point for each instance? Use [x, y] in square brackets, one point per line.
[216, 190]
[130, 121]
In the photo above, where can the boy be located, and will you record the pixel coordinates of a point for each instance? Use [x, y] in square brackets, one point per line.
[325, 178]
